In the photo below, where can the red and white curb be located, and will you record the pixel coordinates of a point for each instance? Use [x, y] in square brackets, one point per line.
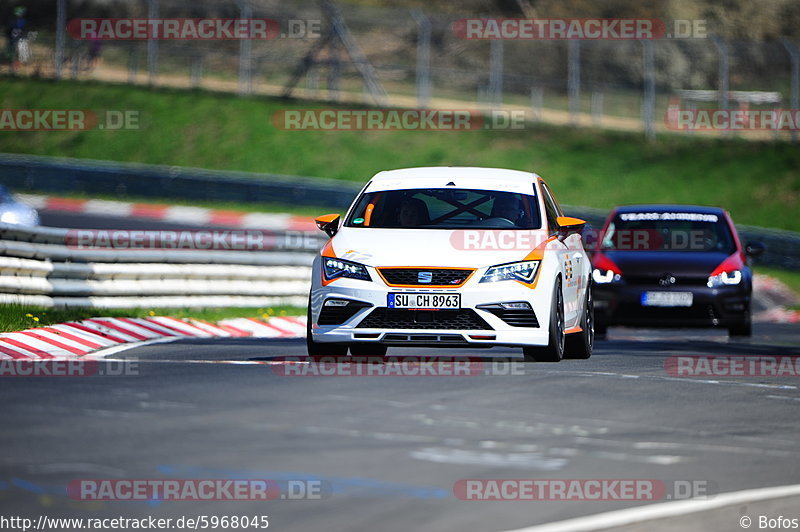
[172, 213]
[76, 339]
[778, 315]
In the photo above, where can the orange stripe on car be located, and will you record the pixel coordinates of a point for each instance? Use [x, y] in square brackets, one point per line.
[327, 251]
[368, 214]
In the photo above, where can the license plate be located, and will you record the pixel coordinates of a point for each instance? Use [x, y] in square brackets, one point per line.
[667, 299]
[424, 301]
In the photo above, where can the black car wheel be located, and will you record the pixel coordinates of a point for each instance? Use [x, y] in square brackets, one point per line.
[744, 327]
[554, 350]
[317, 349]
[579, 345]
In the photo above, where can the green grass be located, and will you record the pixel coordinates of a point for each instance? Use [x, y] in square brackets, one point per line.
[19, 317]
[758, 182]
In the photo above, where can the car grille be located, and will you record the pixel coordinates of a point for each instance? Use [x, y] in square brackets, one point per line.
[424, 339]
[516, 317]
[390, 318]
[439, 276]
[653, 280]
[339, 315]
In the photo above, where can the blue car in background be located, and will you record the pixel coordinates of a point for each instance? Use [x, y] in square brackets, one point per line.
[15, 212]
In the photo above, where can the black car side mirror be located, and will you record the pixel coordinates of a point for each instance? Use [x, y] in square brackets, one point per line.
[754, 249]
[329, 223]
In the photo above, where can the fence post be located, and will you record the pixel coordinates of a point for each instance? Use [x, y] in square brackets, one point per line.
[537, 99]
[496, 72]
[722, 94]
[574, 80]
[61, 22]
[197, 70]
[245, 49]
[152, 44]
[649, 102]
[794, 102]
[597, 107]
[423, 57]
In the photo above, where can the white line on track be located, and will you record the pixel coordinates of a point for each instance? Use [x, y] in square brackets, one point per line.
[104, 353]
[663, 510]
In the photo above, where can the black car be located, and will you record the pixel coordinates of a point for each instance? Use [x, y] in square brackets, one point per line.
[672, 266]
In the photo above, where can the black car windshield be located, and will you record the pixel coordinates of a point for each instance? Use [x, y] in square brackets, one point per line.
[442, 208]
[668, 231]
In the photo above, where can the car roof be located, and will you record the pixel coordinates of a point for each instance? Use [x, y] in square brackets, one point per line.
[459, 176]
[670, 208]
[426, 172]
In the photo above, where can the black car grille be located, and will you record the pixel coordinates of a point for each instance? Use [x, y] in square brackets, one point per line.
[339, 315]
[439, 276]
[424, 339]
[516, 317]
[391, 318]
[655, 280]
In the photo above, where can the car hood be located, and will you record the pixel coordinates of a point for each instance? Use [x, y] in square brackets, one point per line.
[677, 263]
[435, 247]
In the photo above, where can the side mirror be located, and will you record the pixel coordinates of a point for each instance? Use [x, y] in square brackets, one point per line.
[329, 223]
[754, 249]
[568, 226]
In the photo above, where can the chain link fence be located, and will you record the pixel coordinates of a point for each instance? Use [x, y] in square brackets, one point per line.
[416, 59]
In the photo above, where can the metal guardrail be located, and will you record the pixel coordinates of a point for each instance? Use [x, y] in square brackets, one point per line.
[38, 266]
[61, 175]
[50, 174]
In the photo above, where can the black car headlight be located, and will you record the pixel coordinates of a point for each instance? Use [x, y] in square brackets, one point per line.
[725, 279]
[605, 276]
[335, 268]
[515, 271]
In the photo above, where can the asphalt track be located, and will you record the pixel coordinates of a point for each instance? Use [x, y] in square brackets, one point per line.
[391, 448]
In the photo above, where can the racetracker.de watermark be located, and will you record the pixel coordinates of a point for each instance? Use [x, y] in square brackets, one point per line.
[226, 240]
[397, 119]
[68, 120]
[68, 368]
[197, 489]
[394, 366]
[591, 239]
[191, 29]
[732, 366]
[613, 29]
[576, 489]
[732, 119]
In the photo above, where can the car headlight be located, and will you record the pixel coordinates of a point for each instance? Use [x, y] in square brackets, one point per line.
[605, 276]
[515, 271]
[9, 217]
[725, 278]
[335, 268]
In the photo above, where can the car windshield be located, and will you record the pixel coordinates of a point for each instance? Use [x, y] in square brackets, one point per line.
[668, 231]
[442, 208]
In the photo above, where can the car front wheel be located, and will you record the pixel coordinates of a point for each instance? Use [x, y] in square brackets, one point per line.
[743, 327]
[317, 349]
[554, 350]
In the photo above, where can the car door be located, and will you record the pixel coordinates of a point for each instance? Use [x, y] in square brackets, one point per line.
[570, 258]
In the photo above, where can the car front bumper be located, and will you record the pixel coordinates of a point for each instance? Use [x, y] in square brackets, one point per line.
[471, 325]
[711, 307]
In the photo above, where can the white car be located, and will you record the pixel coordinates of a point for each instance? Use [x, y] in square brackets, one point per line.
[452, 257]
